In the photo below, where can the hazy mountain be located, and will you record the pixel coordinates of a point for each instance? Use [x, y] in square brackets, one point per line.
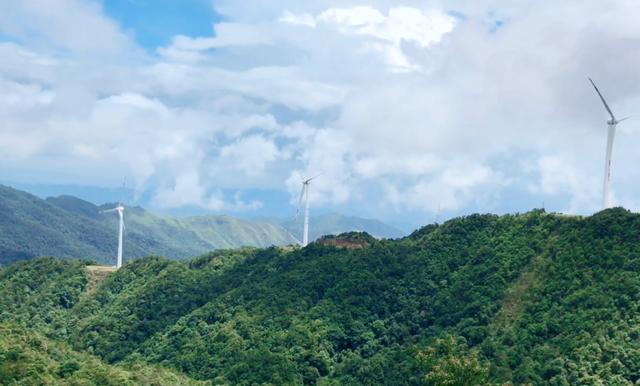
[334, 224]
[69, 227]
[531, 299]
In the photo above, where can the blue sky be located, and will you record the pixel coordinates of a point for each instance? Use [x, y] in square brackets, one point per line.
[153, 23]
[411, 110]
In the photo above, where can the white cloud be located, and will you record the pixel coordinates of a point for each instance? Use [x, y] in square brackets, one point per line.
[75, 25]
[400, 106]
[402, 25]
[304, 19]
[191, 50]
[450, 189]
[187, 190]
[250, 154]
[560, 175]
[18, 97]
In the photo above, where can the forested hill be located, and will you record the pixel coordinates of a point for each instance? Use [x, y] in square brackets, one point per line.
[536, 298]
[69, 227]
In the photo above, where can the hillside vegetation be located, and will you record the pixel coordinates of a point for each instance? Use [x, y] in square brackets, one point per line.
[68, 227]
[523, 299]
[26, 357]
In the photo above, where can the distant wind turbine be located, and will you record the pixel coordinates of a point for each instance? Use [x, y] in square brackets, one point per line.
[304, 195]
[611, 132]
[120, 209]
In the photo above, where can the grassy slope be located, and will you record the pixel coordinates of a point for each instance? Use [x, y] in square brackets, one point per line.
[225, 231]
[538, 298]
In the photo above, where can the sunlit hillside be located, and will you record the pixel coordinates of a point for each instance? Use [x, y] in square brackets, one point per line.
[532, 298]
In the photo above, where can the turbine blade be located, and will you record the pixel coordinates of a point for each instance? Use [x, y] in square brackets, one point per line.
[300, 201]
[109, 210]
[624, 119]
[313, 178]
[301, 195]
[124, 184]
[606, 106]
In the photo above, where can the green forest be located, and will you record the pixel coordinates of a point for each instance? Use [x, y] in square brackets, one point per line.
[534, 298]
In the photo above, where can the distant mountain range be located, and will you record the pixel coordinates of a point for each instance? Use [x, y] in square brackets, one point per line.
[70, 227]
[334, 224]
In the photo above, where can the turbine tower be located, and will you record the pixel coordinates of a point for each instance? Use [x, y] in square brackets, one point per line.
[120, 210]
[304, 195]
[611, 132]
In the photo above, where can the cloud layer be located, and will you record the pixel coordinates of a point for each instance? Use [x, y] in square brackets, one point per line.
[405, 108]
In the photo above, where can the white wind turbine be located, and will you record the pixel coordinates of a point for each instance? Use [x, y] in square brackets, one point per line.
[304, 195]
[611, 132]
[120, 209]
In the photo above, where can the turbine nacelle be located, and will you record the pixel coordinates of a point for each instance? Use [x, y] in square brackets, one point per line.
[308, 180]
[613, 122]
[119, 209]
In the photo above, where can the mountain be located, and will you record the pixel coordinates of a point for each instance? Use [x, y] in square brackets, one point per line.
[334, 224]
[535, 298]
[32, 227]
[69, 227]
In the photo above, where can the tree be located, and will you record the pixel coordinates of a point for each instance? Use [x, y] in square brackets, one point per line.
[449, 362]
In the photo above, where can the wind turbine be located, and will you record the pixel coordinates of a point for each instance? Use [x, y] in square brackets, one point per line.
[611, 132]
[304, 195]
[120, 209]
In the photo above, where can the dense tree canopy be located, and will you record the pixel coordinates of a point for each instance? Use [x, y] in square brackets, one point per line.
[535, 298]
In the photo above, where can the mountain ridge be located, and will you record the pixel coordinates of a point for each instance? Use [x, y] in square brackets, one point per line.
[334, 223]
[69, 227]
[530, 298]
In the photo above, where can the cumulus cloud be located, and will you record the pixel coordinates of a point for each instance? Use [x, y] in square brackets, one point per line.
[249, 155]
[75, 25]
[402, 25]
[401, 105]
[448, 190]
[188, 191]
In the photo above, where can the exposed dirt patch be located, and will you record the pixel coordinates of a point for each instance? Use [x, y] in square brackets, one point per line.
[350, 240]
[96, 275]
[348, 244]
